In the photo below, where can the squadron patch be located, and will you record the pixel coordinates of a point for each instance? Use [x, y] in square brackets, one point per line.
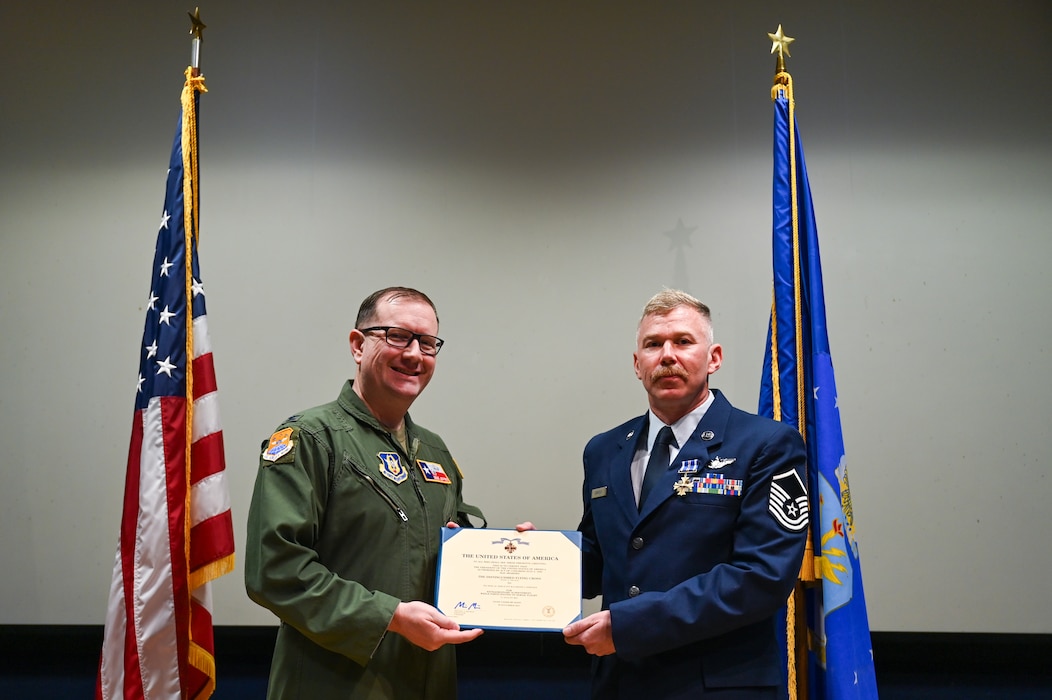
[433, 472]
[391, 467]
[788, 501]
[280, 444]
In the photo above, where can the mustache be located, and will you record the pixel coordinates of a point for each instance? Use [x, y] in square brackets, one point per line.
[662, 372]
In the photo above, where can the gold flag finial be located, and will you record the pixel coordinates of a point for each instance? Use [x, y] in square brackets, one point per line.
[780, 43]
[197, 27]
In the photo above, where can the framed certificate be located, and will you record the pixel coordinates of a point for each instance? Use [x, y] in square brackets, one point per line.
[505, 579]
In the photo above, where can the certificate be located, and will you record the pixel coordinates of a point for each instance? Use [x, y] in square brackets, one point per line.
[505, 579]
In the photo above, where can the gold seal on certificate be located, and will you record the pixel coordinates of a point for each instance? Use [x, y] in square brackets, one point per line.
[505, 579]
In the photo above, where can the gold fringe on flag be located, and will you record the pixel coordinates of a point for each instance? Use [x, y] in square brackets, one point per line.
[199, 657]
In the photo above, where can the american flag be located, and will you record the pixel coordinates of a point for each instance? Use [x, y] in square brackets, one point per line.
[176, 531]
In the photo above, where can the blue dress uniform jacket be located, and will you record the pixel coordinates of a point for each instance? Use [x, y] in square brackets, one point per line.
[695, 578]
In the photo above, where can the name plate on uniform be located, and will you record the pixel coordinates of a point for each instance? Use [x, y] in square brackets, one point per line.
[505, 579]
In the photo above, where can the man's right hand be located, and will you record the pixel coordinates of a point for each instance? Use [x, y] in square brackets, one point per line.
[426, 627]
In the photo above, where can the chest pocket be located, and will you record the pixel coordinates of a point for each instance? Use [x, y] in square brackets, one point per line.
[437, 487]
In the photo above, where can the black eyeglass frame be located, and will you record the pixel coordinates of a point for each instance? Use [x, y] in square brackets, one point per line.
[413, 336]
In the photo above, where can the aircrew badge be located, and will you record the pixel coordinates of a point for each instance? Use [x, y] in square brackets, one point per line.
[391, 467]
[718, 462]
[433, 472]
[280, 444]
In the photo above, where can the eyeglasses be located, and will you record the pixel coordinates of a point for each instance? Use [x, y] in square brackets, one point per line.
[401, 338]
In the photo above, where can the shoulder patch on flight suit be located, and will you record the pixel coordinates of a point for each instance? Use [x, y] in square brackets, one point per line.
[457, 467]
[281, 443]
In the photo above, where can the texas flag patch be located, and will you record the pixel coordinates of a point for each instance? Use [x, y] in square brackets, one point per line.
[433, 472]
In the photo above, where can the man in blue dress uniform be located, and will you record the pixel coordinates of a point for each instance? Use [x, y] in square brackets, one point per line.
[694, 526]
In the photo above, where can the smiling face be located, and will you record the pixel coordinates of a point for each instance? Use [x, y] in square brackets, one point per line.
[674, 358]
[389, 379]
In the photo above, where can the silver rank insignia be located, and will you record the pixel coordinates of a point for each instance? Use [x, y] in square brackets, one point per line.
[391, 467]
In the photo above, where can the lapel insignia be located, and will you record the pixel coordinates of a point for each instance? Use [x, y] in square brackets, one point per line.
[707, 435]
[719, 462]
[433, 472]
[688, 466]
[391, 467]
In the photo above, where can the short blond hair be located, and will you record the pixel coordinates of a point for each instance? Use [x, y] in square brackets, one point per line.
[668, 299]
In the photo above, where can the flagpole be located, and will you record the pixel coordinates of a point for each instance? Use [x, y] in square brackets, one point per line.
[197, 30]
[797, 644]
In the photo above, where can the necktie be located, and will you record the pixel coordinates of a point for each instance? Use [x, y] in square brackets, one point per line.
[657, 464]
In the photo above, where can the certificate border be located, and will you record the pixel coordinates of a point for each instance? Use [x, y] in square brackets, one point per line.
[449, 532]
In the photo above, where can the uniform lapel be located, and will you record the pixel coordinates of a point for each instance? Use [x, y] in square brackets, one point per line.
[702, 444]
[621, 466]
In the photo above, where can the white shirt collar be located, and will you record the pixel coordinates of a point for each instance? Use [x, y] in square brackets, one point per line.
[681, 429]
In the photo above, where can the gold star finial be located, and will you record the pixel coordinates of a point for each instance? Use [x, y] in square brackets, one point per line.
[197, 27]
[780, 42]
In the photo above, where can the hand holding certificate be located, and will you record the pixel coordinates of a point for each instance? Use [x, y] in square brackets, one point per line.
[505, 579]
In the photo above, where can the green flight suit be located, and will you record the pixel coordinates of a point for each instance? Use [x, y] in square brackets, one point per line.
[343, 526]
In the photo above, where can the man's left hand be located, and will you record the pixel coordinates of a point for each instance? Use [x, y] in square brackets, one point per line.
[594, 633]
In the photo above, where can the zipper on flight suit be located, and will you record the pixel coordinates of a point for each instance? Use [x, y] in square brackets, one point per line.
[381, 492]
[414, 448]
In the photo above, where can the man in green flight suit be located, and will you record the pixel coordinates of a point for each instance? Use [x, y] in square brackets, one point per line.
[343, 531]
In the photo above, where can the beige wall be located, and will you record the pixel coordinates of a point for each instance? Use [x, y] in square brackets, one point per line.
[521, 162]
